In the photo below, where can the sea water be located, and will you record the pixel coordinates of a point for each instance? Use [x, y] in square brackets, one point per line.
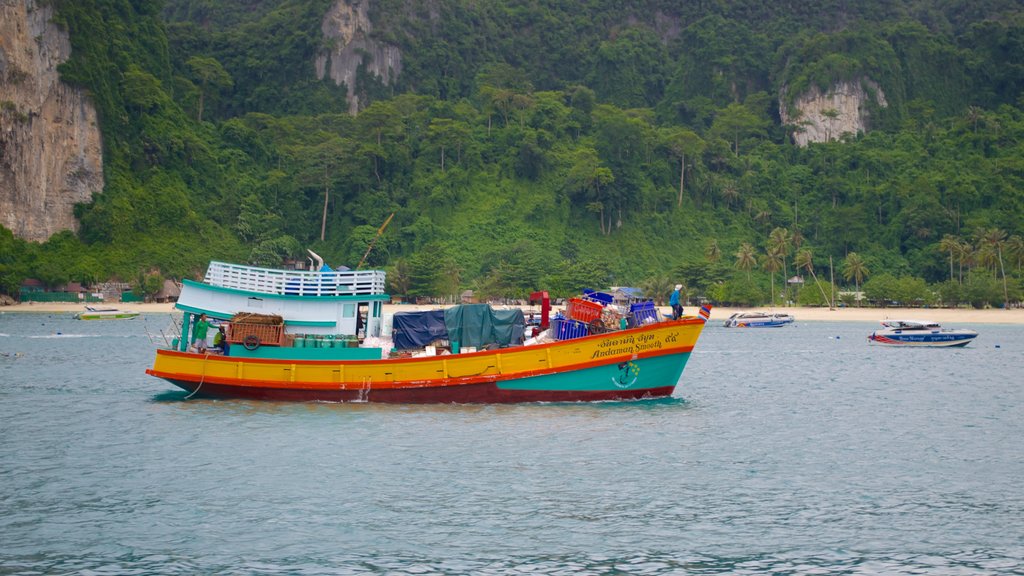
[797, 450]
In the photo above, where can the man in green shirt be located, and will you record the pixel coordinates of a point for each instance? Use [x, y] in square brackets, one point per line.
[199, 333]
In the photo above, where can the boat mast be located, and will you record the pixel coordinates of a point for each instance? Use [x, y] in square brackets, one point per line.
[374, 241]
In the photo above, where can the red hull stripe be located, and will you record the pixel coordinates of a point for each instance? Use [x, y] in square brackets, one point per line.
[468, 394]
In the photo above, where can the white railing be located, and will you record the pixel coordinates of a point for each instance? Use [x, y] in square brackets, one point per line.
[295, 282]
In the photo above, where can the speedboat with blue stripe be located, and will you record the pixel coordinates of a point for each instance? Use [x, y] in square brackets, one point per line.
[921, 333]
[758, 320]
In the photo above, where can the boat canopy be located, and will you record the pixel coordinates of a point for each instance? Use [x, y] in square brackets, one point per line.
[911, 324]
[476, 325]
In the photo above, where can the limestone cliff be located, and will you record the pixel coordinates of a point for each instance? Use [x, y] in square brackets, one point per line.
[50, 146]
[347, 28]
[821, 117]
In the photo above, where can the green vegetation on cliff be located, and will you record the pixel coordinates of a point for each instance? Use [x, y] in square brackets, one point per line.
[555, 146]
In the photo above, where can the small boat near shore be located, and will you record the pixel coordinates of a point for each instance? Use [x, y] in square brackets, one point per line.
[758, 320]
[94, 313]
[921, 333]
[321, 335]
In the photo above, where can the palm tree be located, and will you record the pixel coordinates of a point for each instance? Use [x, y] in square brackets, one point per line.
[984, 252]
[995, 239]
[771, 262]
[780, 241]
[712, 252]
[797, 238]
[951, 244]
[730, 193]
[805, 259]
[973, 115]
[657, 287]
[965, 253]
[854, 267]
[745, 259]
[1015, 248]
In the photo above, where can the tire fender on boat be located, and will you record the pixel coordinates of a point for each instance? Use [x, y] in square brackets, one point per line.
[251, 342]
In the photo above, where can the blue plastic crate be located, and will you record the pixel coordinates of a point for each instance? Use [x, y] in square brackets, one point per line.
[643, 313]
[567, 329]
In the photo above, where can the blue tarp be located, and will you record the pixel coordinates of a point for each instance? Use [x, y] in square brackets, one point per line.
[468, 324]
[595, 296]
[418, 329]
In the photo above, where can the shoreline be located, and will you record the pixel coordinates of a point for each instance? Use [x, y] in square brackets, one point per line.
[941, 315]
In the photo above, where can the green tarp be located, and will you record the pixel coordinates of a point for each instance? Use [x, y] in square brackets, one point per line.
[479, 325]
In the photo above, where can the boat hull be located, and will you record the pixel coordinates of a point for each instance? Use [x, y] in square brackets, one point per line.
[760, 324]
[937, 340]
[644, 362]
[111, 316]
[741, 320]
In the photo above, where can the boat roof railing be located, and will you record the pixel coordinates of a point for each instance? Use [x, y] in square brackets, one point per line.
[295, 282]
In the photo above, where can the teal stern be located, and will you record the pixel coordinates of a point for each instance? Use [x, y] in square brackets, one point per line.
[657, 375]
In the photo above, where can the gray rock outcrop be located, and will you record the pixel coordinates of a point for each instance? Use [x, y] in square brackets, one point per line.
[347, 26]
[51, 153]
[822, 117]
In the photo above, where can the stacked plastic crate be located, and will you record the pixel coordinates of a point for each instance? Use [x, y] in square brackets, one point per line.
[643, 313]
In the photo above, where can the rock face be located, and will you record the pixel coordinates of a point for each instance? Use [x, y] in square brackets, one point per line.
[51, 153]
[823, 117]
[347, 26]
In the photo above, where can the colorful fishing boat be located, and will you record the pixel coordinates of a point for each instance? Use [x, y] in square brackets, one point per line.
[921, 333]
[321, 336]
[758, 320]
[94, 313]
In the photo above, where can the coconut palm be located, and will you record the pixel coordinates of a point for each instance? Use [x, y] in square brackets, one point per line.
[985, 252]
[771, 262]
[995, 239]
[965, 255]
[780, 241]
[1015, 249]
[805, 259]
[951, 244]
[797, 239]
[730, 193]
[657, 287]
[745, 259]
[854, 267]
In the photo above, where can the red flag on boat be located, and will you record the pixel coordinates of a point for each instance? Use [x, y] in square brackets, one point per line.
[705, 312]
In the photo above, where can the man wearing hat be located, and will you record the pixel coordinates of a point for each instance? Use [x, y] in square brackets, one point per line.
[673, 301]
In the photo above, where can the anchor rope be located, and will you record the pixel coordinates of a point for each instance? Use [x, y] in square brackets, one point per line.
[201, 378]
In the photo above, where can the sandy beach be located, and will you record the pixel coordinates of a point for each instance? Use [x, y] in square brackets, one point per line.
[942, 315]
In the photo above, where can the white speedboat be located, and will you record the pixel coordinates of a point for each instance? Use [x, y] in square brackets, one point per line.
[758, 320]
[921, 333]
[92, 313]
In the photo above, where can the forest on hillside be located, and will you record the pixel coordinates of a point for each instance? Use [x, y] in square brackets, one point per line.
[556, 146]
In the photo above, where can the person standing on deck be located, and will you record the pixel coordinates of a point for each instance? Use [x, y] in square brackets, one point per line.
[199, 333]
[673, 301]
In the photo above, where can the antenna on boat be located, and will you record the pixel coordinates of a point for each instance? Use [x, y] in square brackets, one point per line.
[374, 241]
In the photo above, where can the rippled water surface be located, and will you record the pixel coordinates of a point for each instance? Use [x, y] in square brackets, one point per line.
[800, 450]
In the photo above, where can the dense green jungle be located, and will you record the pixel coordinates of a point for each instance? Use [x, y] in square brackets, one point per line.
[555, 145]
